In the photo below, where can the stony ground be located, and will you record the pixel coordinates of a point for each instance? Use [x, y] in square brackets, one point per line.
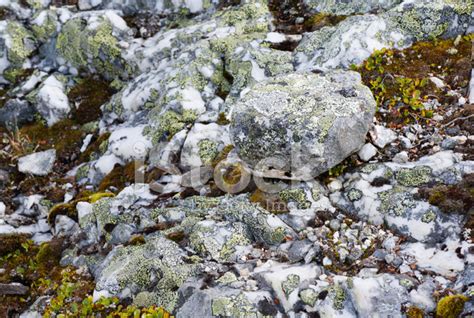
[218, 158]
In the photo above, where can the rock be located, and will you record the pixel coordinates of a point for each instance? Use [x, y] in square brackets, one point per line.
[367, 152]
[52, 102]
[129, 143]
[203, 144]
[357, 37]
[65, 226]
[39, 163]
[386, 193]
[341, 7]
[157, 267]
[88, 4]
[382, 136]
[16, 289]
[4, 178]
[16, 113]
[301, 124]
[401, 157]
[298, 250]
[335, 185]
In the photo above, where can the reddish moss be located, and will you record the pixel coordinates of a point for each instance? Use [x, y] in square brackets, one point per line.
[12, 242]
[320, 20]
[94, 148]
[88, 95]
[118, 178]
[270, 202]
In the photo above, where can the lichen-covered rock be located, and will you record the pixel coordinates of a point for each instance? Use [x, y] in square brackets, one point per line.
[16, 45]
[150, 273]
[94, 42]
[308, 123]
[341, 7]
[357, 37]
[387, 193]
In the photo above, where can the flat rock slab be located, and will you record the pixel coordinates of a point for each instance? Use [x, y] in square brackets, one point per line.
[13, 289]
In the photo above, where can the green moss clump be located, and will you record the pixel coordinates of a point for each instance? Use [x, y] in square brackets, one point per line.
[451, 306]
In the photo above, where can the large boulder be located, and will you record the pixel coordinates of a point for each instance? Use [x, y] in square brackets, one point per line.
[344, 7]
[302, 124]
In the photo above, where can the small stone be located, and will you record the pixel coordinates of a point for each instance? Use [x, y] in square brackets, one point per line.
[382, 136]
[335, 224]
[405, 142]
[335, 185]
[13, 289]
[39, 163]
[449, 144]
[401, 157]
[298, 250]
[367, 152]
[327, 261]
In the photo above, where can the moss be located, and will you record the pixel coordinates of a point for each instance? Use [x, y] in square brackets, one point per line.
[457, 198]
[119, 178]
[451, 306]
[88, 96]
[413, 177]
[96, 148]
[137, 240]
[65, 136]
[16, 75]
[270, 202]
[69, 209]
[399, 78]
[320, 20]
[11, 242]
[415, 312]
[222, 155]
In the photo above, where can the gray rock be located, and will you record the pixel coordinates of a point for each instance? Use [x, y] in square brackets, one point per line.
[13, 289]
[367, 152]
[65, 226]
[301, 125]
[15, 113]
[39, 163]
[394, 202]
[382, 136]
[298, 250]
[151, 272]
[343, 7]
[121, 234]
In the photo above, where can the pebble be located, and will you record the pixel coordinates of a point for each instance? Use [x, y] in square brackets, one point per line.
[367, 152]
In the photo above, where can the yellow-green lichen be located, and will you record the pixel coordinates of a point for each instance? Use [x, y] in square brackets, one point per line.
[413, 177]
[22, 43]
